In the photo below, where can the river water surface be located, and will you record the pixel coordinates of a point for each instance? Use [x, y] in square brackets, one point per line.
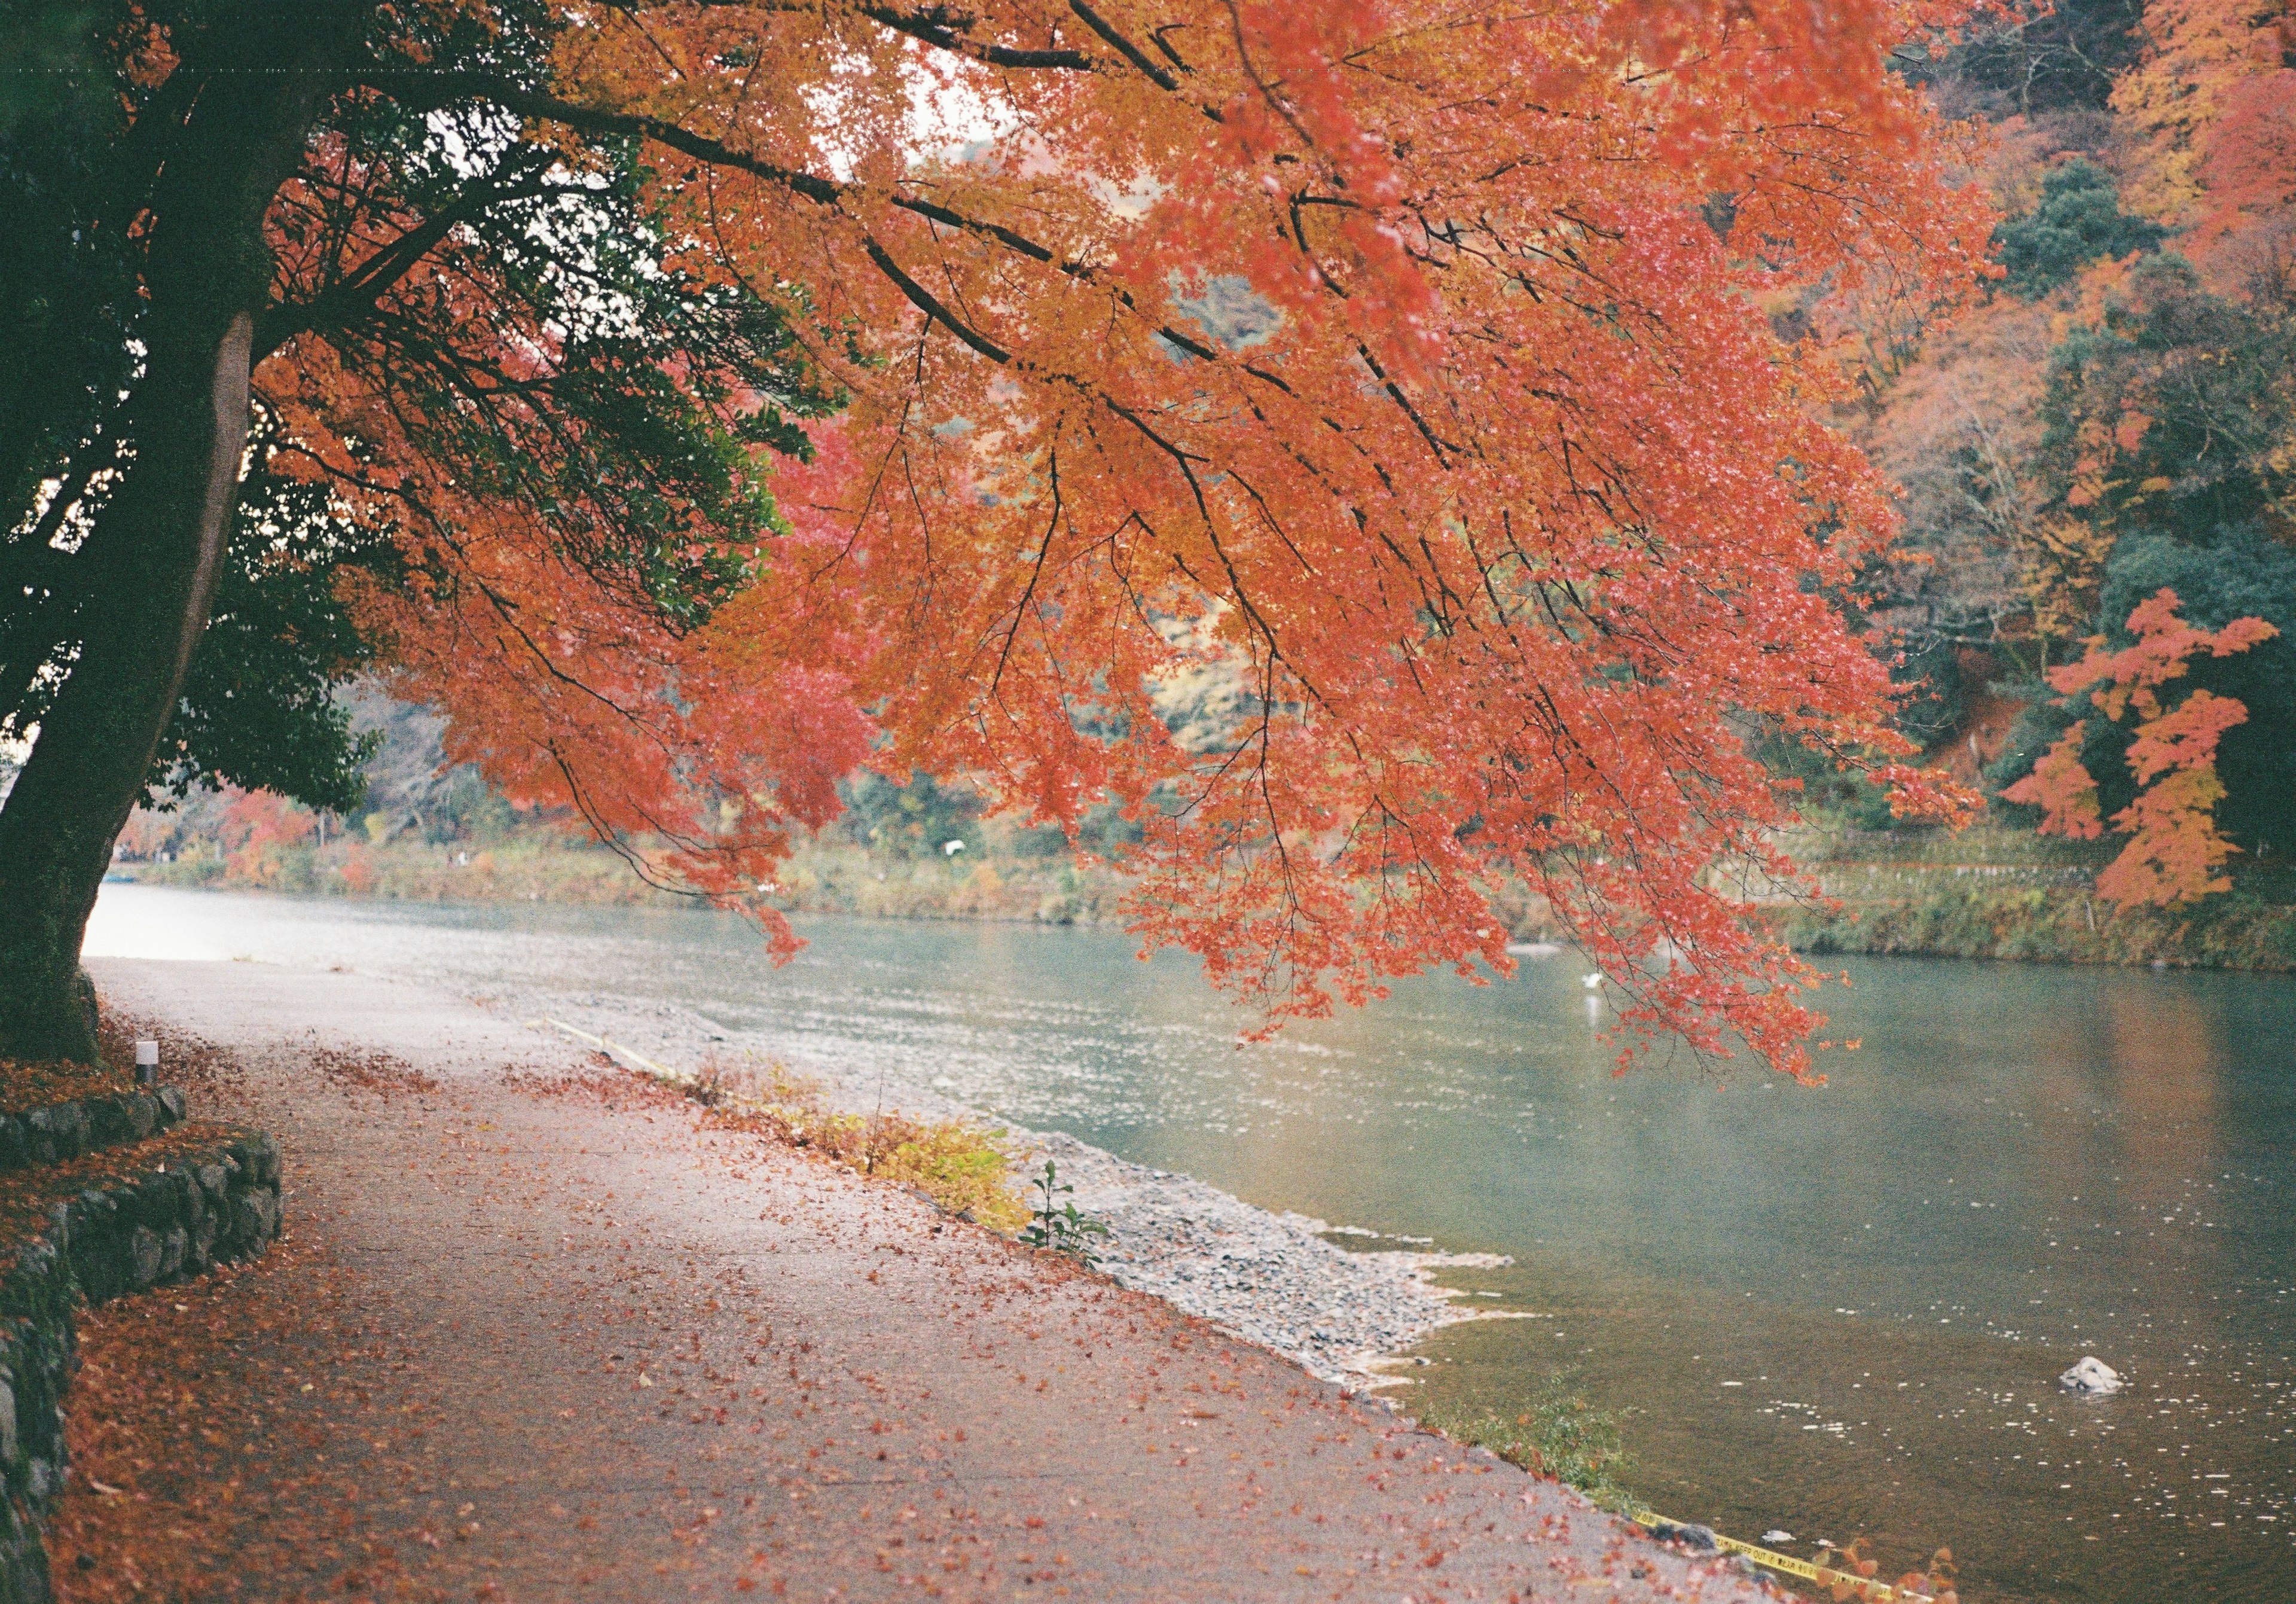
[1837, 1313]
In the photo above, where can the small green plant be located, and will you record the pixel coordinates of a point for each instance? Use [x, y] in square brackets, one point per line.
[1063, 1230]
[1560, 1436]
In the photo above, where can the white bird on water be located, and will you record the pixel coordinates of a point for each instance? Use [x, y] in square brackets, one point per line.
[1591, 981]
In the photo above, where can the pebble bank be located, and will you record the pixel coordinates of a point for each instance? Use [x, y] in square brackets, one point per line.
[1275, 1280]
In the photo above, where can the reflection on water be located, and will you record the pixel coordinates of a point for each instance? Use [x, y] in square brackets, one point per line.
[1838, 1312]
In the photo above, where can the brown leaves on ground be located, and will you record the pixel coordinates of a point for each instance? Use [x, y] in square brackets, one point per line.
[185, 1060]
[27, 1196]
[370, 1071]
[596, 1346]
[190, 1436]
[24, 1086]
[198, 1415]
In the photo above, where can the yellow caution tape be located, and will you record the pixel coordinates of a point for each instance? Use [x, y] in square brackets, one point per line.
[1861, 1587]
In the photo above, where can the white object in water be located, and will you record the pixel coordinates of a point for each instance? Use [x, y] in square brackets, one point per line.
[2092, 1374]
[1591, 981]
[147, 1062]
[950, 849]
[1774, 1535]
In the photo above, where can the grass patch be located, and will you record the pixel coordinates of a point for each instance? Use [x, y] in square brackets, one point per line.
[960, 1167]
[1560, 1436]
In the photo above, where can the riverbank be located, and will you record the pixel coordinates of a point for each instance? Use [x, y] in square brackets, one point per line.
[1274, 1280]
[1792, 1300]
[1989, 892]
[546, 1329]
[541, 866]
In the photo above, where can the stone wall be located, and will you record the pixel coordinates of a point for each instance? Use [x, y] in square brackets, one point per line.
[55, 1131]
[108, 1222]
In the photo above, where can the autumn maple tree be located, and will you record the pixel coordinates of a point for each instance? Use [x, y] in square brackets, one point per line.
[2174, 848]
[1401, 362]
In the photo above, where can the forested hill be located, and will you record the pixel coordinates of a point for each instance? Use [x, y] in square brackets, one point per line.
[2120, 415]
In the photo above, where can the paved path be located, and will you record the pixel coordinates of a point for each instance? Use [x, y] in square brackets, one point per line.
[537, 1334]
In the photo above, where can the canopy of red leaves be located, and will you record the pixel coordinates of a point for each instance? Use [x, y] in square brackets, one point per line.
[1399, 360]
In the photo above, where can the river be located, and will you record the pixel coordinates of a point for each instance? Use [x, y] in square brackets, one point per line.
[1838, 1312]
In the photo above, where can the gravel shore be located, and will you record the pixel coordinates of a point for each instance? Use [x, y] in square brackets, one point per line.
[1275, 1280]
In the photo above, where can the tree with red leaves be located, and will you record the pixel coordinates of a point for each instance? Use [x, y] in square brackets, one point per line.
[1397, 362]
[2174, 847]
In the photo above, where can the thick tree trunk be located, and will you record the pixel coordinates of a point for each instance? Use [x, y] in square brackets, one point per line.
[95, 749]
[159, 541]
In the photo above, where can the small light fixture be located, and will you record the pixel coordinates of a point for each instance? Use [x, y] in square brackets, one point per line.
[147, 1063]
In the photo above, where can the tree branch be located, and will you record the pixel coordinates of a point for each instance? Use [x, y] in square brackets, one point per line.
[923, 300]
[939, 29]
[342, 303]
[1130, 52]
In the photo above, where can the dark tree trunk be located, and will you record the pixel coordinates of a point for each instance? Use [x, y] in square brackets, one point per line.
[159, 542]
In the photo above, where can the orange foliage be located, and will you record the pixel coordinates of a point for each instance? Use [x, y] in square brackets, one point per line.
[2248, 164]
[2174, 848]
[257, 820]
[145, 836]
[2062, 786]
[692, 752]
[1390, 360]
[358, 871]
[2202, 61]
